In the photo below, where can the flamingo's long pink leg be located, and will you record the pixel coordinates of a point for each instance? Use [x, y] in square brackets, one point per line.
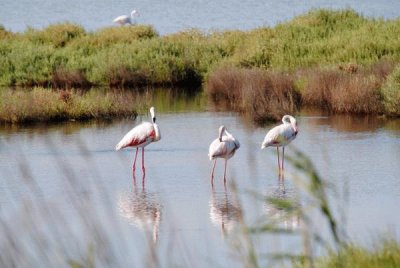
[283, 157]
[226, 162]
[134, 161]
[212, 172]
[279, 163]
[143, 169]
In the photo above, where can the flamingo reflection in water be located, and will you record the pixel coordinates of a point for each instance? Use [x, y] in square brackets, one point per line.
[224, 212]
[286, 214]
[142, 210]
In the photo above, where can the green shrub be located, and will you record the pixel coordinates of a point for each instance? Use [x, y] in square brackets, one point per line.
[4, 33]
[57, 34]
[391, 93]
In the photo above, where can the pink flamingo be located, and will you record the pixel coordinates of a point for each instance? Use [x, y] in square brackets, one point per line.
[139, 137]
[224, 146]
[280, 136]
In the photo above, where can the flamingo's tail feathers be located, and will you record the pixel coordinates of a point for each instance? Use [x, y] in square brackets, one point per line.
[211, 157]
[118, 147]
[264, 146]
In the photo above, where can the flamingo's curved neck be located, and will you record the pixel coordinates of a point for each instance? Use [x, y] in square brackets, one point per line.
[221, 132]
[157, 132]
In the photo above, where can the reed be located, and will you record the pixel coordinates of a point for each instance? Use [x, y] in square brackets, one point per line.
[262, 95]
[345, 90]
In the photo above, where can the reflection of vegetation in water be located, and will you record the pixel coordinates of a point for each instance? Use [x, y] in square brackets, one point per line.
[68, 127]
[178, 100]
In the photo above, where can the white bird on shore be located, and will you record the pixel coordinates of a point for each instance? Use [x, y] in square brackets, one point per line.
[225, 147]
[139, 137]
[280, 136]
[125, 19]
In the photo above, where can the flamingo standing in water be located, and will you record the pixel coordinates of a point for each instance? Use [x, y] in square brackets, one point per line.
[225, 147]
[139, 137]
[125, 19]
[280, 136]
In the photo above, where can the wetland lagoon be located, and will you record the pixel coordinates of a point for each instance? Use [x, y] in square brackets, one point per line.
[67, 198]
[72, 84]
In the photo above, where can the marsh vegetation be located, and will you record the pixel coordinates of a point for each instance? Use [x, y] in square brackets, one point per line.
[337, 60]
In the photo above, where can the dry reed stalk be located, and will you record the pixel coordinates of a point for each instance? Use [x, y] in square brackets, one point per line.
[261, 94]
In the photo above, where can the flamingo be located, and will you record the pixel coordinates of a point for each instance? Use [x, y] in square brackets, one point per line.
[125, 19]
[280, 136]
[225, 147]
[139, 137]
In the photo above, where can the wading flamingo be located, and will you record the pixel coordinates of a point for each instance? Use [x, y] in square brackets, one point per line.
[280, 136]
[139, 137]
[224, 146]
[125, 19]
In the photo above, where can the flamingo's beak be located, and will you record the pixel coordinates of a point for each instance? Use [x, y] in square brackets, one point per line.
[296, 130]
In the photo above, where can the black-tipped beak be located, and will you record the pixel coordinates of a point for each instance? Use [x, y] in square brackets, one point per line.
[154, 119]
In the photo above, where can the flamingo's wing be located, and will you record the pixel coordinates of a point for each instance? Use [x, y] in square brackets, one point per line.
[288, 133]
[137, 136]
[273, 137]
[217, 149]
[231, 144]
[121, 19]
[229, 137]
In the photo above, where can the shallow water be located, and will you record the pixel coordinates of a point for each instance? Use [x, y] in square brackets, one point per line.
[173, 16]
[65, 192]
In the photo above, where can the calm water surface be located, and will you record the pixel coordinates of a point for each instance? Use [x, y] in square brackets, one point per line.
[64, 190]
[174, 16]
